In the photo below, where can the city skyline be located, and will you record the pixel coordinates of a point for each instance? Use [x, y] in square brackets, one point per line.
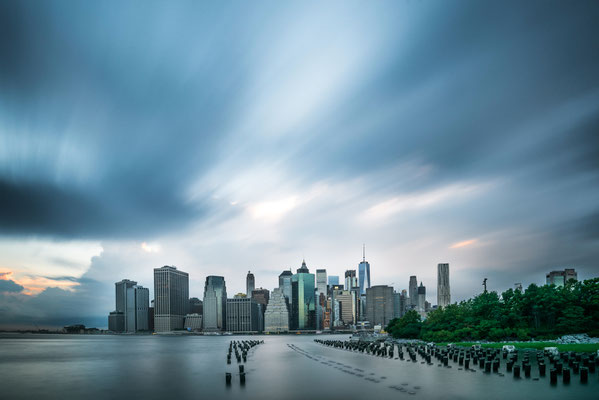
[223, 140]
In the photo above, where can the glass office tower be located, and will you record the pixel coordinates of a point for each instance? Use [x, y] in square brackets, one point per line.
[303, 305]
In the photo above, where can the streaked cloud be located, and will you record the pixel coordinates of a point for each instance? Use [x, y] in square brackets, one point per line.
[463, 243]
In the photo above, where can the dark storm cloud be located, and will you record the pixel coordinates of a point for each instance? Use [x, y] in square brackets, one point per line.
[112, 112]
[10, 286]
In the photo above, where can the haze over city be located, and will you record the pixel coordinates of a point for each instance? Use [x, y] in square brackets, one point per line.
[228, 139]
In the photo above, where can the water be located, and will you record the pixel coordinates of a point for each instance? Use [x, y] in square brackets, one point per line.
[284, 367]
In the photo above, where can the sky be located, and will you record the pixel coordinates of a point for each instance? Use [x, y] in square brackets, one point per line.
[227, 137]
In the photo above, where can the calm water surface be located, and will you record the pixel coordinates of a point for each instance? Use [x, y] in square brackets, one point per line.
[284, 367]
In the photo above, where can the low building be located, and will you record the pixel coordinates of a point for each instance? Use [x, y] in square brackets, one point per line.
[116, 321]
[193, 322]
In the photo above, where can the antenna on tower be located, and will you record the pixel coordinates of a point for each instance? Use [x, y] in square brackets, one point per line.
[363, 252]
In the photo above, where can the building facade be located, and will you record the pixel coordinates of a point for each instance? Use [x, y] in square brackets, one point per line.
[559, 278]
[276, 316]
[138, 303]
[421, 306]
[116, 321]
[379, 305]
[215, 304]
[193, 322]
[413, 292]
[243, 315]
[443, 291]
[285, 285]
[303, 303]
[364, 275]
[351, 280]
[333, 280]
[171, 298]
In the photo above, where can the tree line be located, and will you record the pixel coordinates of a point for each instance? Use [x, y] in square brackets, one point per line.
[539, 312]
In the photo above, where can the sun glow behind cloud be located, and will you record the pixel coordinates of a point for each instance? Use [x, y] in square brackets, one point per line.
[464, 243]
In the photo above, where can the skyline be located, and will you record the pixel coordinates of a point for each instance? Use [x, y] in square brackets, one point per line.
[249, 137]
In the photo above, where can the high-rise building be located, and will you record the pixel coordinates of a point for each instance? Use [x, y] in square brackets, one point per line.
[351, 280]
[421, 306]
[397, 305]
[343, 300]
[138, 302]
[333, 280]
[171, 298]
[215, 304]
[321, 281]
[117, 320]
[443, 292]
[261, 296]
[413, 291]
[285, 285]
[276, 316]
[303, 304]
[559, 278]
[250, 284]
[364, 273]
[403, 303]
[379, 305]
[195, 306]
[243, 315]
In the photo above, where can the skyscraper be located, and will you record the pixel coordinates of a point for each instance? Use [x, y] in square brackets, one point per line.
[443, 292]
[343, 299]
[413, 291]
[379, 305]
[351, 280]
[397, 305]
[117, 320]
[333, 280]
[321, 281]
[364, 273]
[250, 284]
[421, 306]
[276, 317]
[138, 302]
[171, 298]
[303, 304]
[285, 285]
[215, 304]
[243, 315]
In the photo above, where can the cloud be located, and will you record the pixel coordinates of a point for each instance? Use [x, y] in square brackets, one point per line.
[9, 286]
[463, 243]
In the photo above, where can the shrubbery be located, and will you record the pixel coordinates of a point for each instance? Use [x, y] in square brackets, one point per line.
[540, 312]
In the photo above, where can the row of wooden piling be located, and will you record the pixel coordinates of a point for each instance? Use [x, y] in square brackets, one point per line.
[488, 360]
[240, 348]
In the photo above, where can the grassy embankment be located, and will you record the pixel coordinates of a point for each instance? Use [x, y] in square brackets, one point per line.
[584, 347]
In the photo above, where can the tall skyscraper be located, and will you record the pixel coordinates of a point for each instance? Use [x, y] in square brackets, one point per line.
[379, 305]
[413, 291]
[117, 320]
[443, 291]
[351, 280]
[276, 317]
[250, 284]
[215, 304]
[171, 298]
[303, 304]
[559, 278]
[138, 302]
[333, 280]
[321, 281]
[421, 306]
[364, 273]
[285, 285]
[396, 305]
[243, 315]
